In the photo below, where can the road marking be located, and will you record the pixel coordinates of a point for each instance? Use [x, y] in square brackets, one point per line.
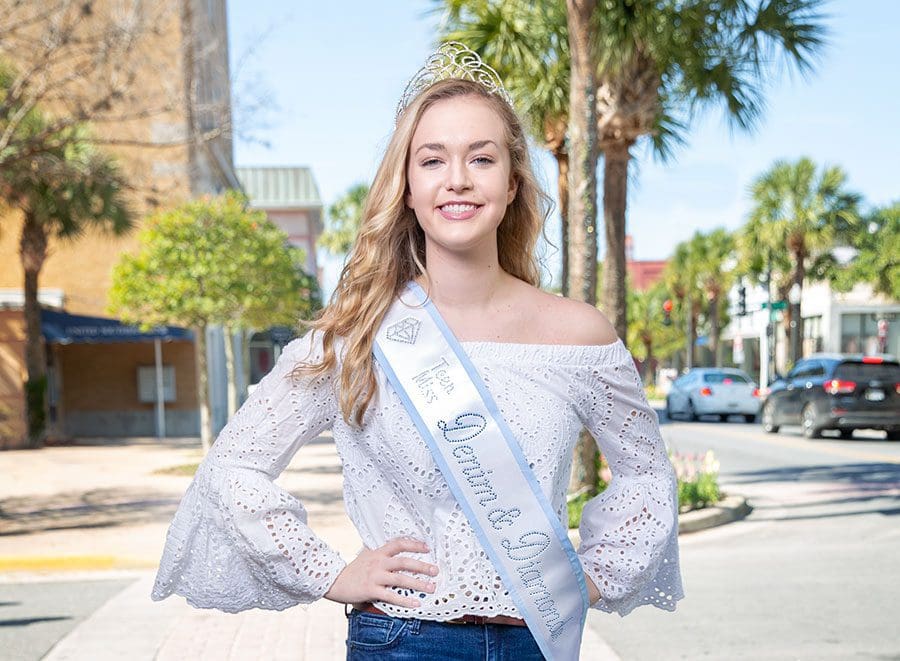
[786, 441]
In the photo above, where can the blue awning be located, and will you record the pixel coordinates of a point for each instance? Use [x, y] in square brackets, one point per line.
[65, 328]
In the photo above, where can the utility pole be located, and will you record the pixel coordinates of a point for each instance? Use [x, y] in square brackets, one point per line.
[770, 327]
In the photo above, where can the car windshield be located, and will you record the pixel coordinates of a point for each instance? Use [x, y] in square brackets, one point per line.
[724, 378]
[859, 372]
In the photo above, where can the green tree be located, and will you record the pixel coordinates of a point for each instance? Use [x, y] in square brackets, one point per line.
[682, 280]
[662, 63]
[211, 261]
[877, 260]
[648, 336]
[712, 254]
[60, 193]
[799, 215]
[344, 218]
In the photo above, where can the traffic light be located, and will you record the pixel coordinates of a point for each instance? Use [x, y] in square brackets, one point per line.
[742, 301]
[667, 312]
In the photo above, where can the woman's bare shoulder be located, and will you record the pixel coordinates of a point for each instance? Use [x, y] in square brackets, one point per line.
[569, 321]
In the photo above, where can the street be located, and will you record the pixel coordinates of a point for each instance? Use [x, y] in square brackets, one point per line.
[810, 574]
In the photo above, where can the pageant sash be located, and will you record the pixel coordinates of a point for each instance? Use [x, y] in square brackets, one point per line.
[486, 471]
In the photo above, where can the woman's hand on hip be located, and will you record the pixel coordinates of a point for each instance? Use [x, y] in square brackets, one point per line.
[374, 572]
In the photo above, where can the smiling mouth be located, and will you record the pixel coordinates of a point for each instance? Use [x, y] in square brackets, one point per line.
[458, 208]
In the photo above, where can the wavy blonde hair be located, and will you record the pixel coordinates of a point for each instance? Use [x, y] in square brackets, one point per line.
[390, 248]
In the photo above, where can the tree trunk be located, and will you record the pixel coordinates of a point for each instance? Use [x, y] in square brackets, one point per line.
[203, 387]
[230, 372]
[583, 152]
[562, 183]
[33, 252]
[615, 192]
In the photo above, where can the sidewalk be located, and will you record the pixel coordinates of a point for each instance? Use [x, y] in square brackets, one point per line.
[100, 508]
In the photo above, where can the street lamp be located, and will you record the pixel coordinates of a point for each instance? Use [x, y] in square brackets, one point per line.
[794, 296]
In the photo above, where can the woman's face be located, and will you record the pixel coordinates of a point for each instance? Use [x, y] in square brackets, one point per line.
[459, 174]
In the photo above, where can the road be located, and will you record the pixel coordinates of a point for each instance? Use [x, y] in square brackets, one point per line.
[812, 573]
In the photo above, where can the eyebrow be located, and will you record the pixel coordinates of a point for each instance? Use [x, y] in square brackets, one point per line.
[437, 146]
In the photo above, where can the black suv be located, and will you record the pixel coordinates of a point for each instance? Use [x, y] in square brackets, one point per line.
[837, 391]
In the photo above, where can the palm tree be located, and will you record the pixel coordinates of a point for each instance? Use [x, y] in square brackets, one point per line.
[662, 62]
[711, 253]
[681, 277]
[344, 217]
[648, 336]
[798, 216]
[60, 194]
[527, 44]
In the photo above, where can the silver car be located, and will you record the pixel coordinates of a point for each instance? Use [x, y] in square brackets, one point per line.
[714, 391]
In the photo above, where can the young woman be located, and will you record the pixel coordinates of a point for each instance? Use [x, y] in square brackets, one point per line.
[454, 212]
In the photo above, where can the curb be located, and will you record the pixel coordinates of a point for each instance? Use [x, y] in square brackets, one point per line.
[727, 510]
[66, 563]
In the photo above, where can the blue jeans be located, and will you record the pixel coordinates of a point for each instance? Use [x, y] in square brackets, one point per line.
[384, 638]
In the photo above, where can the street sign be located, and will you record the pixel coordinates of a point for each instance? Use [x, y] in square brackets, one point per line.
[776, 305]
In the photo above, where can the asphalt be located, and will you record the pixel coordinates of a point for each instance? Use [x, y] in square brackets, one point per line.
[101, 510]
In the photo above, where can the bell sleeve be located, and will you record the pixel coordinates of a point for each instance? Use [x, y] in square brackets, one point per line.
[629, 532]
[238, 541]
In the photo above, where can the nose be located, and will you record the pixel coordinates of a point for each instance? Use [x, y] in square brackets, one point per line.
[458, 176]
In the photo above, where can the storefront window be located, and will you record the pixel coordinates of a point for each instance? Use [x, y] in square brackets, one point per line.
[812, 335]
[860, 333]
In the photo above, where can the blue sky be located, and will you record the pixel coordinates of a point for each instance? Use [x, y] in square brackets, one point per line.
[336, 71]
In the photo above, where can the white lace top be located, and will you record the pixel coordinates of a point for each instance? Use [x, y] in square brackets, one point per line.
[239, 541]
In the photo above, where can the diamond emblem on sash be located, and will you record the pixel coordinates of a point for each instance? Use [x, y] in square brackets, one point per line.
[405, 330]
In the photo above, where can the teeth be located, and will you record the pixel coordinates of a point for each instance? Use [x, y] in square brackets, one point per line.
[458, 208]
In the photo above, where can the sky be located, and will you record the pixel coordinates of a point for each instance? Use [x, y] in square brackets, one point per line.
[333, 73]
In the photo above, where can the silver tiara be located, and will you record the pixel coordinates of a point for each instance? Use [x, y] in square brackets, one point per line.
[453, 60]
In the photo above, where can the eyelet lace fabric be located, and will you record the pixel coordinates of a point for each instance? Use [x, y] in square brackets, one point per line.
[239, 541]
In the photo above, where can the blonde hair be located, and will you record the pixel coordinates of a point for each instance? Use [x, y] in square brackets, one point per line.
[390, 248]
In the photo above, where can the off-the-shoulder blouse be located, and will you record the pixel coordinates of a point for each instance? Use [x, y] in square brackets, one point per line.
[239, 541]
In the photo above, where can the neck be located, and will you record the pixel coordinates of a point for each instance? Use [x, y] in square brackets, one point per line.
[463, 281]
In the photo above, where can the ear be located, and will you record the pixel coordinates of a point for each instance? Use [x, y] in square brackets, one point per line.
[513, 189]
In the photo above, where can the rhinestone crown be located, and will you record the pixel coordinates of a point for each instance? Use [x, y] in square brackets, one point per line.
[453, 60]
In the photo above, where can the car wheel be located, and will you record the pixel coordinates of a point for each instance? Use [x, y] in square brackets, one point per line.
[846, 433]
[893, 435]
[668, 409]
[750, 418]
[690, 414]
[808, 422]
[768, 419]
[723, 417]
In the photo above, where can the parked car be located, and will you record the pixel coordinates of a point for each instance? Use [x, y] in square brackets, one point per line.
[837, 391]
[713, 391]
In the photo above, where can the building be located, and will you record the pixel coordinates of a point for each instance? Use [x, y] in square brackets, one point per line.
[858, 321]
[97, 386]
[290, 198]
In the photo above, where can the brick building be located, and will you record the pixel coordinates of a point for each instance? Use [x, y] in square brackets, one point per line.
[95, 385]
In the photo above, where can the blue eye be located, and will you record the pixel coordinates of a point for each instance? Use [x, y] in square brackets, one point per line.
[484, 159]
[429, 161]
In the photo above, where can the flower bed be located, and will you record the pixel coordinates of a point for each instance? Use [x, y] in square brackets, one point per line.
[698, 484]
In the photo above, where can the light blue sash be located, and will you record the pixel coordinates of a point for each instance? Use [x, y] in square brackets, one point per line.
[478, 456]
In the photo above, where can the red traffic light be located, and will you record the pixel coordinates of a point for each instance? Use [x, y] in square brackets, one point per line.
[667, 305]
